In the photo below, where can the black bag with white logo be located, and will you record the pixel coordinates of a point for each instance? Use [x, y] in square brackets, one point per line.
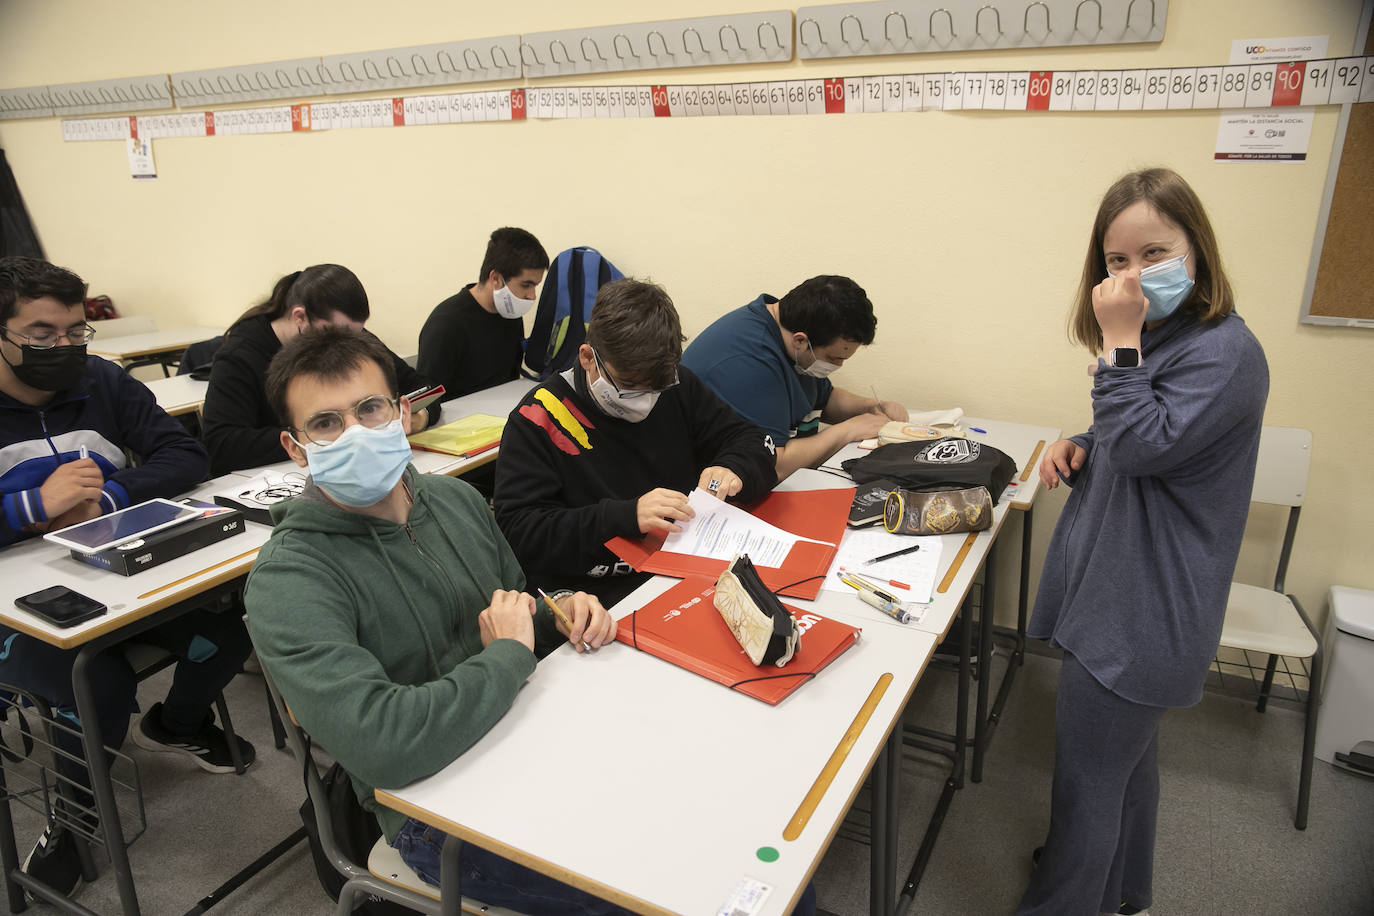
[949, 463]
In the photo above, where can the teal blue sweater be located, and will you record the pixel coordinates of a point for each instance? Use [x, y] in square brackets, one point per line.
[369, 630]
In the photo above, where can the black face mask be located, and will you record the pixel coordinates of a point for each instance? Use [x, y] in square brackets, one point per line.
[51, 369]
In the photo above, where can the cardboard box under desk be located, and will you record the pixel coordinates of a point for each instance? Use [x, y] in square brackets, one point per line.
[157, 548]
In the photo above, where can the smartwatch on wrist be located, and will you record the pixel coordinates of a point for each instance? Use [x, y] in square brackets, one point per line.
[1124, 357]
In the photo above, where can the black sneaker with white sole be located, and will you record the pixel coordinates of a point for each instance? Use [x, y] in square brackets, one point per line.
[55, 861]
[208, 747]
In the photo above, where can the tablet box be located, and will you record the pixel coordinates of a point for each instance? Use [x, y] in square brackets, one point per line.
[157, 548]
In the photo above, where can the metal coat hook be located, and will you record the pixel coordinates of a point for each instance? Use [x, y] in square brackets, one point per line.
[582, 46]
[758, 33]
[649, 42]
[244, 85]
[554, 57]
[701, 45]
[510, 65]
[352, 76]
[720, 37]
[978, 18]
[391, 59]
[930, 25]
[324, 74]
[615, 48]
[537, 61]
[801, 31]
[420, 65]
[224, 84]
[1025, 20]
[263, 81]
[1131, 8]
[439, 59]
[906, 29]
[860, 22]
[370, 64]
[303, 77]
[466, 52]
[1078, 10]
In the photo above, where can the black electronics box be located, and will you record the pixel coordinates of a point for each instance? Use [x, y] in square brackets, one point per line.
[157, 548]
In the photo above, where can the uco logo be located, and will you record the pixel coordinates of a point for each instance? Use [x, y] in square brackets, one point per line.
[1255, 49]
[806, 622]
[950, 451]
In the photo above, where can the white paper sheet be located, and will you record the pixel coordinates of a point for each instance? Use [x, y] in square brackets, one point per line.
[721, 531]
[917, 570]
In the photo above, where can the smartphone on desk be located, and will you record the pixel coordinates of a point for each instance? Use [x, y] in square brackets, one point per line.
[60, 606]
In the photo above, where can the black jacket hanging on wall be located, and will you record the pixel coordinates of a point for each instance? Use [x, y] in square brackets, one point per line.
[17, 235]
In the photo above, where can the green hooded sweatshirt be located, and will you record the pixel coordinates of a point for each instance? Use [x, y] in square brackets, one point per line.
[369, 630]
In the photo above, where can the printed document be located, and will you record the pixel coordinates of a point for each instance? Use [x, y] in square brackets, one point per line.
[721, 531]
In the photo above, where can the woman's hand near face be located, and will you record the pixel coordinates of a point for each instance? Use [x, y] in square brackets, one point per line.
[1119, 306]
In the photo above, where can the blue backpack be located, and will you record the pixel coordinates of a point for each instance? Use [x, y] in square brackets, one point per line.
[565, 305]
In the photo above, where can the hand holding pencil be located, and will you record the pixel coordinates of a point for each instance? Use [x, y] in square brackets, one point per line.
[582, 619]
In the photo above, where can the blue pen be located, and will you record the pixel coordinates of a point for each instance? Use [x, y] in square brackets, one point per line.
[976, 429]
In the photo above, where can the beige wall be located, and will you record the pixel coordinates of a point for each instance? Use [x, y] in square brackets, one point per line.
[966, 229]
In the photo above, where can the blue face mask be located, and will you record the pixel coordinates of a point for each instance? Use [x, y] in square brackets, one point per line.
[361, 466]
[1165, 285]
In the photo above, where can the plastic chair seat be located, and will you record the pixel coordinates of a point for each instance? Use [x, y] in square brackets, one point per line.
[385, 863]
[1262, 620]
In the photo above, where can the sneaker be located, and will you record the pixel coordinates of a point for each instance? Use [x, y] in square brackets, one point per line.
[55, 861]
[208, 747]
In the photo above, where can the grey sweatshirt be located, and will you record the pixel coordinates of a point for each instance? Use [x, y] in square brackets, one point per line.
[1138, 571]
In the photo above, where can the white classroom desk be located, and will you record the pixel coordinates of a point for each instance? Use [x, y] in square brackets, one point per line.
[178, 394]
[149, 344]
[135, 603]
[699, 778]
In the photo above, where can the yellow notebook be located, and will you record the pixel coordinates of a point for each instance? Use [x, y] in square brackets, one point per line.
[466, 436]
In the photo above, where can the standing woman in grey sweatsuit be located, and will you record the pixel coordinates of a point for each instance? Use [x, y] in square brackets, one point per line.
[1137, 574]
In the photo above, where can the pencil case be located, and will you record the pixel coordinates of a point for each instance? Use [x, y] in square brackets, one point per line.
[937, 511]
[766, 632]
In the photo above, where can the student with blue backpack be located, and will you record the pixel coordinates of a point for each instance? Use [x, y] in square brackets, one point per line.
[474, 339]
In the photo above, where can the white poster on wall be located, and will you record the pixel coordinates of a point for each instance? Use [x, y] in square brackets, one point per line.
[1276, 134]
[141, 158]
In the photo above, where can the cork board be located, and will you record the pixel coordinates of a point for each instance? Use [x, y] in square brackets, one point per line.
[1342, 291]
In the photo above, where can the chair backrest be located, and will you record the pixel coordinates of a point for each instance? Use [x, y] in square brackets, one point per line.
[196, 358]
[124, 327]
[1285, 455]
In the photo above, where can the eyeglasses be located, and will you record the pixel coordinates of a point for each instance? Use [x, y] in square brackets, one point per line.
[373, 412]
[632, 393]
[47, 338]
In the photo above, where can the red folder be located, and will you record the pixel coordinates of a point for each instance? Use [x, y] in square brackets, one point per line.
[819, 514]
[682, 626]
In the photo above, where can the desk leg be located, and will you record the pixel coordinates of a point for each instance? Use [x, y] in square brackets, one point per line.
[955, 782]
[101, 786]
[450, 887]
[883, 826]
[985, 619]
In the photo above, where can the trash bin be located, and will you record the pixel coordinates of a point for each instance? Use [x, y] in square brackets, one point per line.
[1346, 722]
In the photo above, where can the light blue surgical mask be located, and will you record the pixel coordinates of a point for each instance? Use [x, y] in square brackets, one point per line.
[1166, 285]
[362, 466]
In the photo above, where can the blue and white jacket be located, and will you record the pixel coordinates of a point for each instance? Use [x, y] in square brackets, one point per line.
[108, 412]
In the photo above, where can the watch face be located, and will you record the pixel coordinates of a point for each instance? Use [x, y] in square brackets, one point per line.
[1125, 357]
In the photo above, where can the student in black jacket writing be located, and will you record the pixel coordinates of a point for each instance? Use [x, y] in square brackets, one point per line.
[610, 447]
[241, 430]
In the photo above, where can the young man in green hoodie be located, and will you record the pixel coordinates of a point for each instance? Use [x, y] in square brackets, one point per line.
[388, 608]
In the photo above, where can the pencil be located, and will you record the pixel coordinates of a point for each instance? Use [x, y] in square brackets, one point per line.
[562, 617]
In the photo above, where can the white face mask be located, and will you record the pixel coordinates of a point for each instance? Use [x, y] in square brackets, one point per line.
[508, 305]
[631, 410]
[819, 368]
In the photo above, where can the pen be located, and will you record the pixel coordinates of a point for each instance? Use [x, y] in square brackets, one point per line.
[976, 429]
[562, 617]
[896, 553]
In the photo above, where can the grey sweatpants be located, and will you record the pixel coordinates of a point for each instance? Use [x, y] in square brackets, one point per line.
[1100, 849]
